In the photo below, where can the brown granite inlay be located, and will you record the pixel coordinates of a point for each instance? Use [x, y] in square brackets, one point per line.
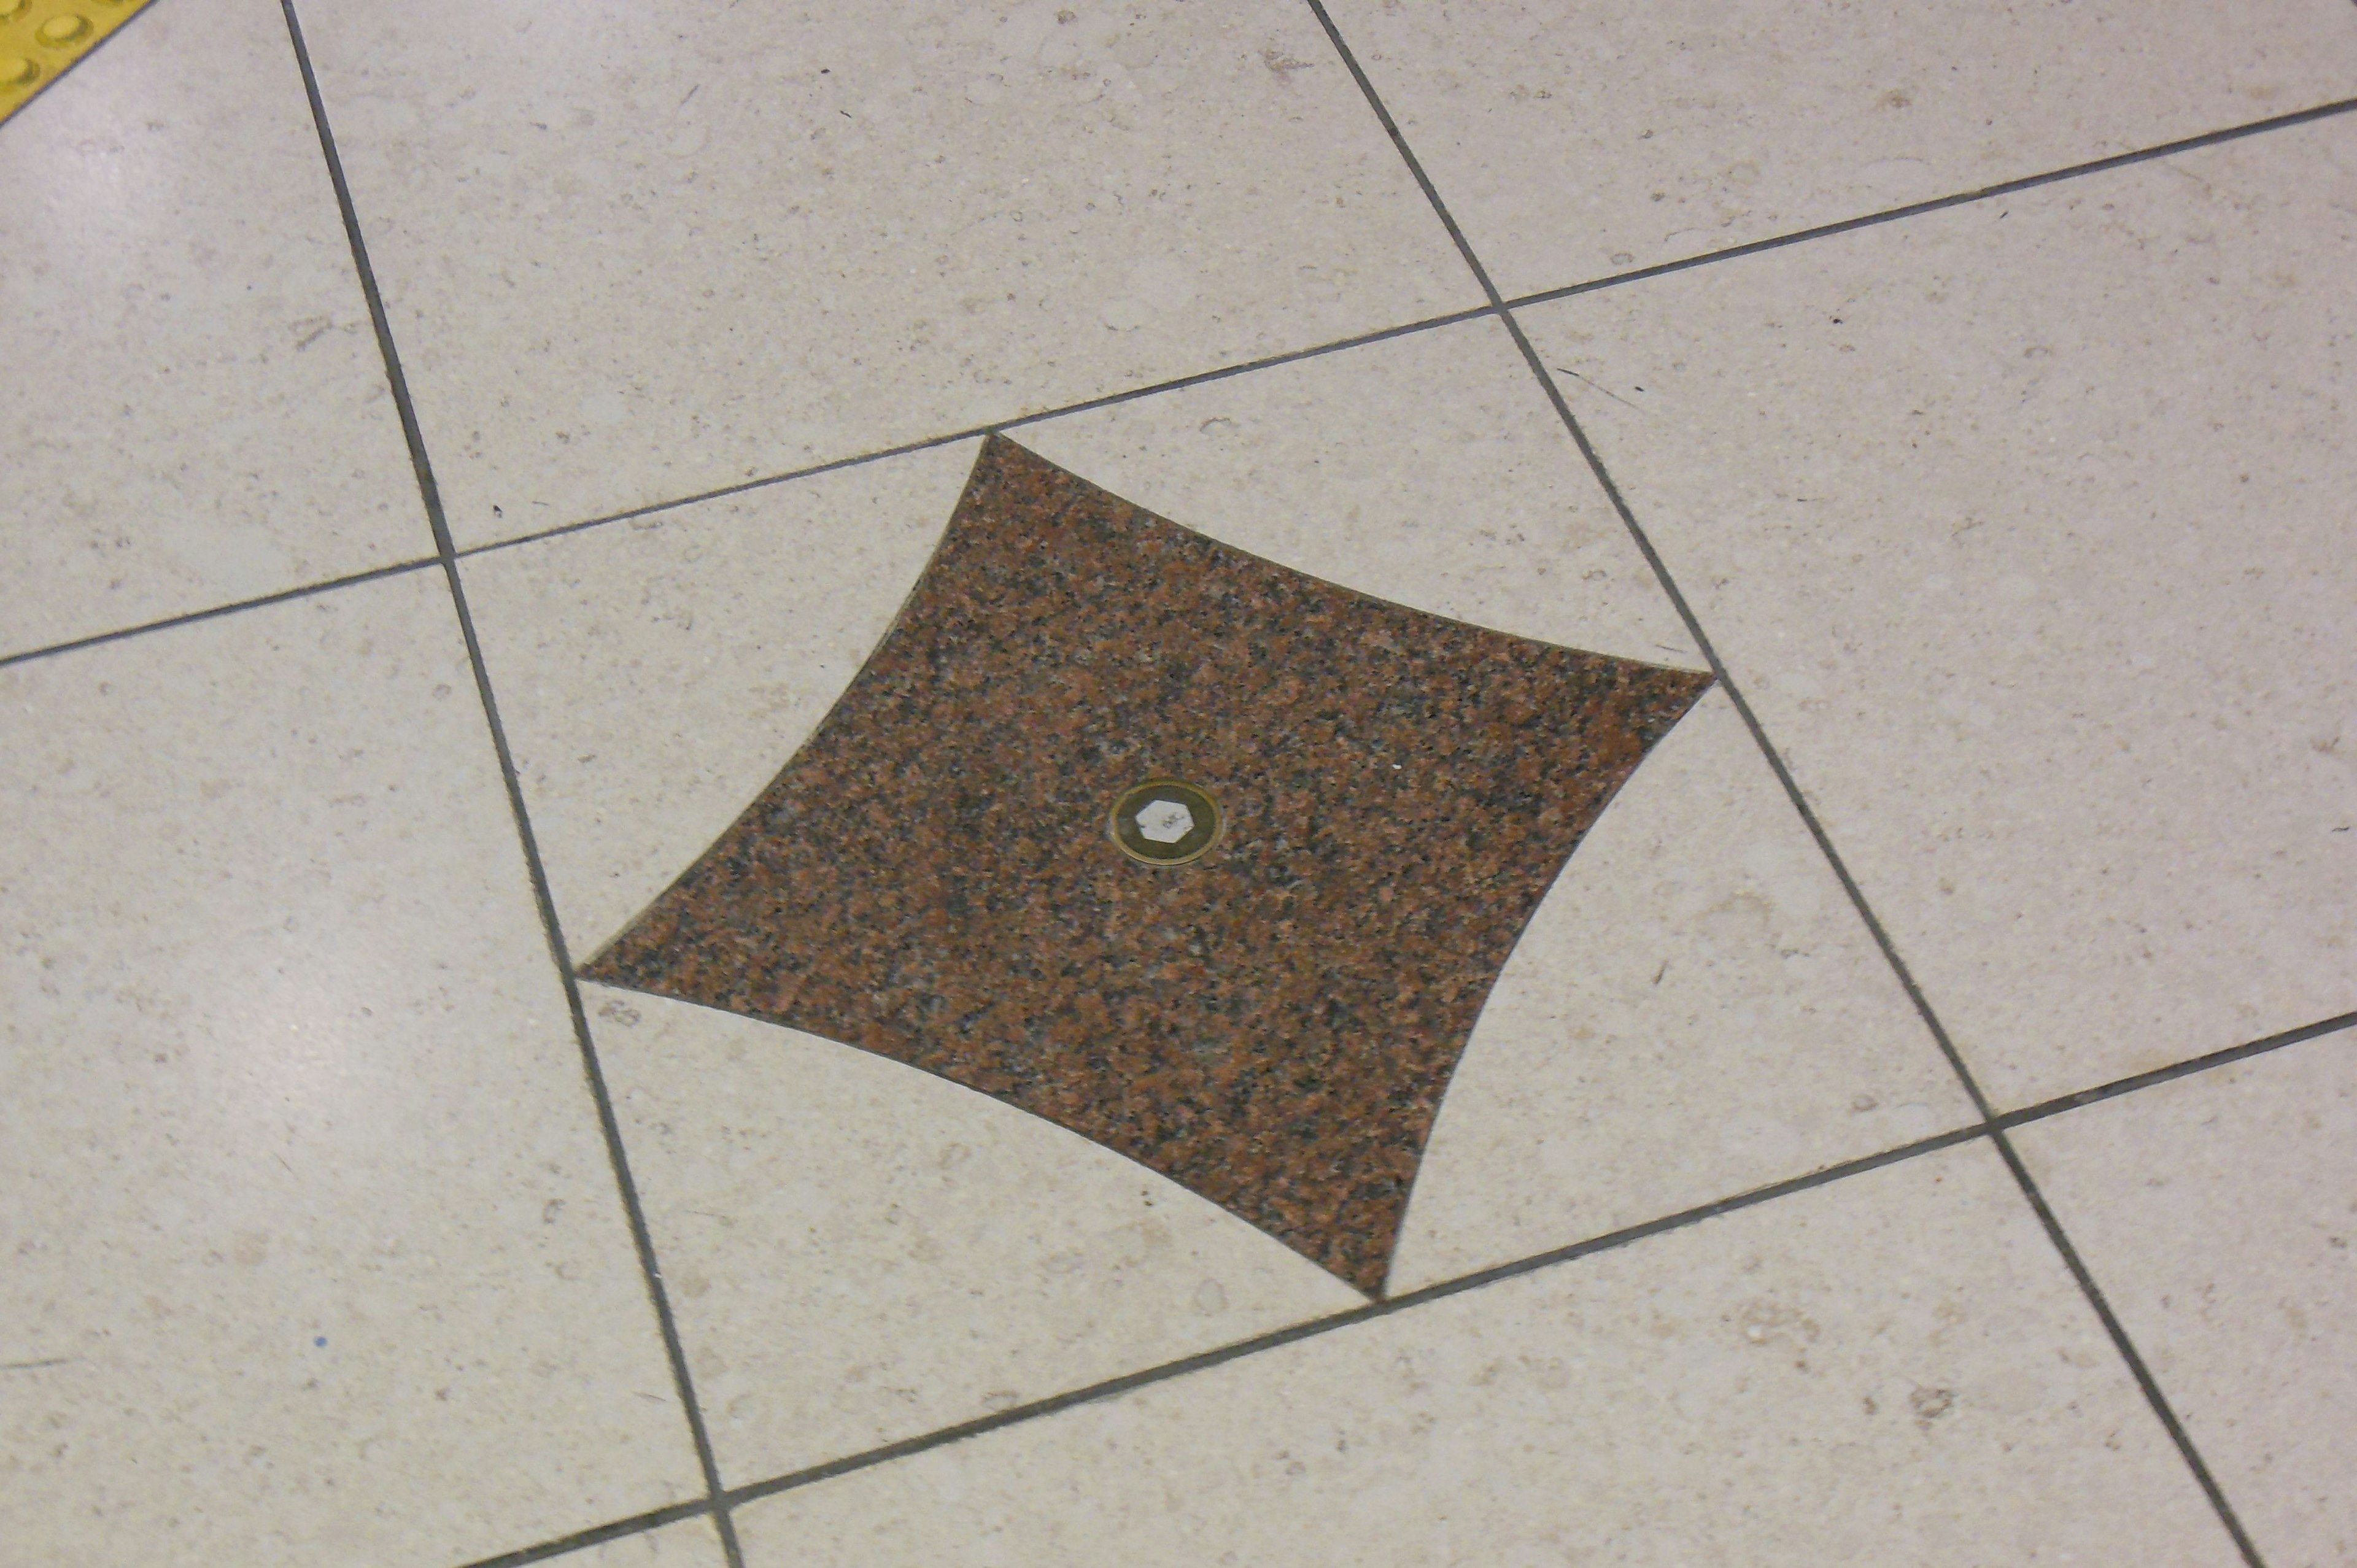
[930, 878]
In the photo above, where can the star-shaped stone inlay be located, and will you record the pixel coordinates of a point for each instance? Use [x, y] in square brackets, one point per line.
[931, 878]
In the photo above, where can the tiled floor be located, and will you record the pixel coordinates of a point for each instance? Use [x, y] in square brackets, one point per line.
[467, 460]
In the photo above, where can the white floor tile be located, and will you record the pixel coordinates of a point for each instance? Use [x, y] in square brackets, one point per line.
[1576, 142]
[2219, 1215]
[633, 254]
[1894, 1369]
[860, 1252]
[1695, 1011]
[1427, 470]
[316, 1251]
[195, 407]
[654, 675]
[2023, 527]
[691, 1543]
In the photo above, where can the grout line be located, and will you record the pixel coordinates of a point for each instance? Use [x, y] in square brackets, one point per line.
[1316, 1327]
[1990, 1126]
[1900, 968]
[1940, 203]
[1440, 1290]
[926, 443]
[609, 1125]
[595, 1535]
[1269, 362]
[2137, 1369]
[1364, 340]
[1273, 1339]
[191, 617]
[724, 492]
[1427, 324]
[2191, 1065]
[1407, 156]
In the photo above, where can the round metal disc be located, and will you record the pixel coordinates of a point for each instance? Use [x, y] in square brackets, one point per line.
[1164, 821]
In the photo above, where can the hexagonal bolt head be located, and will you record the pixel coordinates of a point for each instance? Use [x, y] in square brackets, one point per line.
[1164, 821]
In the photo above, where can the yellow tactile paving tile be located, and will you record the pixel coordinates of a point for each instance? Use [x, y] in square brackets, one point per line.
[41, 40]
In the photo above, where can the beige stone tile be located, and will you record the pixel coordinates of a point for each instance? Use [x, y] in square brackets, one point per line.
[634, 253]
[195, 407]
[1891, 1369]
[1426, 470]
[860, 1252]
[2023, 526]
[1572, 143]
[2219, 1215]
[654, 674]
[1695, 1011]
[690, 1544]
[314, 1249]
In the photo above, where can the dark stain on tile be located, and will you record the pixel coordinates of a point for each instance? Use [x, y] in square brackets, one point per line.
[930, 878]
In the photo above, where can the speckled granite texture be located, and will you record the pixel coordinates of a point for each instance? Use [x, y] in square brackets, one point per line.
[930, 878]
